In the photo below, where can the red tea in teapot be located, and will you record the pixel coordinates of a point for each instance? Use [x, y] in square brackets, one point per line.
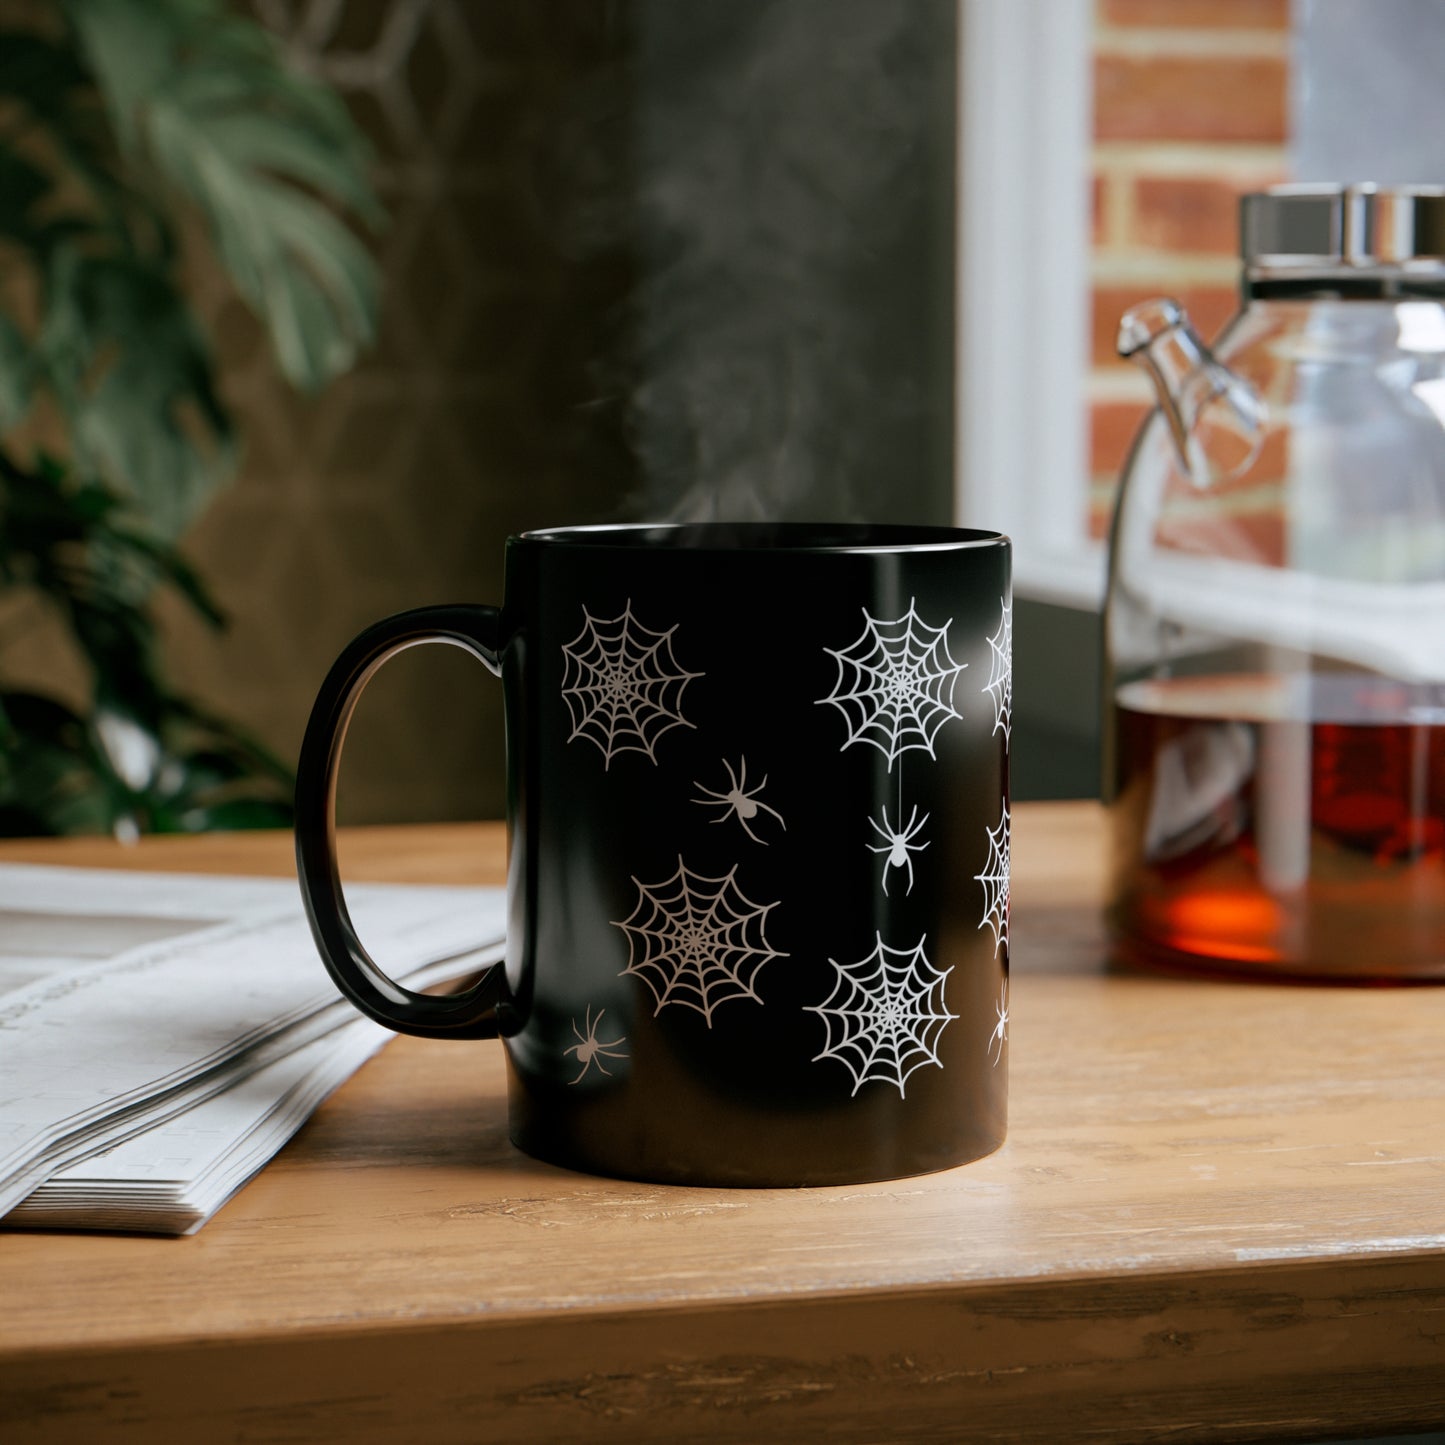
[1281, 825]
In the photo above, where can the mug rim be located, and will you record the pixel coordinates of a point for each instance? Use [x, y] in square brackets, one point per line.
[794, 537]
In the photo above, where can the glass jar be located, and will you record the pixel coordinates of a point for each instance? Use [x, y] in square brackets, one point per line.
[1275, 621]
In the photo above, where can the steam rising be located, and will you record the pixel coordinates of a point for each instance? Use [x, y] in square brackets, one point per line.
[789, 326]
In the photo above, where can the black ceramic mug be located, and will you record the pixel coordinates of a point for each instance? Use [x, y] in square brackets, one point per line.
[759, 848]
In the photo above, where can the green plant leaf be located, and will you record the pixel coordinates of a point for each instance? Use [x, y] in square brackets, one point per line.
[73, 545]
[232, 814]
[218, 733]
[52, 91]
[38, 72]
[107, 123]
[22, 185]
[46, 79]
[207, 101]
[134, 378]
[17, 375]
[129, 47]
[169, 566]
[61, 773]
[50, 784]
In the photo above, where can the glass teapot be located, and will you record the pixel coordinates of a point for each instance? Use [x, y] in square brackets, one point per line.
[1275, 622]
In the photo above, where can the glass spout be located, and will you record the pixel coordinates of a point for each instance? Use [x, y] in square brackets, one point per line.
[1216, 419]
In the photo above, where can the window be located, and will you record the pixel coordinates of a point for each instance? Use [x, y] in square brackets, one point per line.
[1103, 145]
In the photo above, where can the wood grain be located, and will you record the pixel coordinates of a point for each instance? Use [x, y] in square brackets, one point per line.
[1220, 1213]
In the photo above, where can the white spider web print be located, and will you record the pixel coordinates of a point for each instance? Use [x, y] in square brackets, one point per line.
[622, 685]
[885, 1015]
[1000, 685]
[697, 941]
[895, 684]
[995, 883]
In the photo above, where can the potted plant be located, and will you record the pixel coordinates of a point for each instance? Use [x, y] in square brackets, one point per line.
[122, 122]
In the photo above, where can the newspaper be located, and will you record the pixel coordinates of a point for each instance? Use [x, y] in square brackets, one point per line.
[161, 1035]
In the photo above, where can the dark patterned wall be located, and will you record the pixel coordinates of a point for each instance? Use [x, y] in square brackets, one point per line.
[477, 415]
[661, 257]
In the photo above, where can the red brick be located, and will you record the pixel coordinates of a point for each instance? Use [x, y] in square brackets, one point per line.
[1112, 427]
[1221, 532]
[1198, 14]
[1174, 97]
[1186, 213]
[1097, 219]
[1209, 307]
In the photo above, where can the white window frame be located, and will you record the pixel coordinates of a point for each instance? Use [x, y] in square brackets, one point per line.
[1025, 123]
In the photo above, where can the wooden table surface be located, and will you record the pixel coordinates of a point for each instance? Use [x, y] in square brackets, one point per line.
[1220, 1213]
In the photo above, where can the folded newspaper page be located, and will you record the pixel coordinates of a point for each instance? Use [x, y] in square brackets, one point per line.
[161, 1035]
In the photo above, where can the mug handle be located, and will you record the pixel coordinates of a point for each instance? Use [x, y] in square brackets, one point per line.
[468, 1015]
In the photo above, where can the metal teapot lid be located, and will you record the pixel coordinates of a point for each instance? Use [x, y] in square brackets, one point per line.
[1342, 231]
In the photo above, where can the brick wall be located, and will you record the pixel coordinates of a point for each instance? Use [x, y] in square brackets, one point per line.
[1190, 111]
